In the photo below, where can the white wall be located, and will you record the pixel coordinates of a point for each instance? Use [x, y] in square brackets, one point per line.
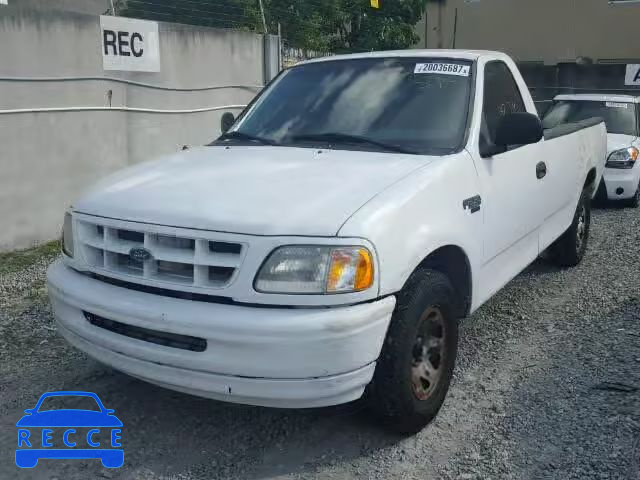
[47, 159]
[94, 7]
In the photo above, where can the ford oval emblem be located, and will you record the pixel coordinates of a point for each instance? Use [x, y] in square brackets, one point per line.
[139, 254]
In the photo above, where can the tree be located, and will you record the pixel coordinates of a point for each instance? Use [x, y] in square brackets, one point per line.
[346, 25]
[392, 26]
[321, 25]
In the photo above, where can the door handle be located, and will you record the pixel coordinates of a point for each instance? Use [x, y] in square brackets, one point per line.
[541, 170]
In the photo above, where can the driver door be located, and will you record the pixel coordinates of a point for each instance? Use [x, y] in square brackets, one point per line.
[511, 197]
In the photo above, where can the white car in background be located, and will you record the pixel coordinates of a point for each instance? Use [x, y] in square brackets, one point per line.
[621, 179]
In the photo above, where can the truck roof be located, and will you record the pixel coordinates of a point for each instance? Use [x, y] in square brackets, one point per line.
[594, 97]
[439, 53]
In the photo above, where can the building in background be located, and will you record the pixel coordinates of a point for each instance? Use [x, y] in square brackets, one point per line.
[559, 44]
[547, 31]
[93, 7]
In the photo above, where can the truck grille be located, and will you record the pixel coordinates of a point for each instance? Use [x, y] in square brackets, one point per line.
[186, 261]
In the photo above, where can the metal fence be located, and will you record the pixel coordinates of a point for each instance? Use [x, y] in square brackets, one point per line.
[291, 55]
[234, 14]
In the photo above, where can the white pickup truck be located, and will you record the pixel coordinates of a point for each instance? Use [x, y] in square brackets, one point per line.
[324, 248]
[621, 113]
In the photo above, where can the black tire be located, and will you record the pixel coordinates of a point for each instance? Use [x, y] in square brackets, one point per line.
[569, 249]
[634, 202]
[601, 198]
[394, 395]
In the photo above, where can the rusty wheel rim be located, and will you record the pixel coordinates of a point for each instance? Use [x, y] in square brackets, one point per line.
[428, 354]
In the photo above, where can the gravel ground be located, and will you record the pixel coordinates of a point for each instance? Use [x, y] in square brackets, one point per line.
[546, 387]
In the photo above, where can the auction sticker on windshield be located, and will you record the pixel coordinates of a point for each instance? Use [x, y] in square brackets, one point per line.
[443, 69]
[616, 105]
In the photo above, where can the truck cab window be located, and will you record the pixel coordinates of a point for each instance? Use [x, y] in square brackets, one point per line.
[501, 96]
[619, 116]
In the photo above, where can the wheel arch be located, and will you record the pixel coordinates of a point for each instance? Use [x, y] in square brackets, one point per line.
[452, 261]
[590, 181]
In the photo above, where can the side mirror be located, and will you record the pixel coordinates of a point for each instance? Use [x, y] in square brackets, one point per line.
[520, 128]
[29, 411]
[226, 121]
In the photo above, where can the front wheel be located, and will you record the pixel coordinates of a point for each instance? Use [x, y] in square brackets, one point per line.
[569, 249]
[415, 367]
[26, 458]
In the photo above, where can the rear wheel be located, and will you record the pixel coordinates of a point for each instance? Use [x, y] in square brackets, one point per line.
[112, 458]
[569, 249]
[415, 367]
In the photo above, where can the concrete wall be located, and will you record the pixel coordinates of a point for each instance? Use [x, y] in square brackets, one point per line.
[94, 7]
[549, 31]
[47, 159]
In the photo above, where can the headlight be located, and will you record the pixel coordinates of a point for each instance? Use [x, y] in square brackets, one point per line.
[623, 158]
[316, 270]
[67, 235]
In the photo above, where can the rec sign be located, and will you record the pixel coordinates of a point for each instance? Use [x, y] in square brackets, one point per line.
[130, 45]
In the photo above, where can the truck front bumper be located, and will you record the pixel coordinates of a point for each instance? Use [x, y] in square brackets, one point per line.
[275, 357]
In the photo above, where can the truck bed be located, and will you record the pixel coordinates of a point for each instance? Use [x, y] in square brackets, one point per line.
[567, 128]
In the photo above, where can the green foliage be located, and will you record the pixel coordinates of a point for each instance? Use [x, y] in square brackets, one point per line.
[355, 26]
[321, 25]
[11, 262]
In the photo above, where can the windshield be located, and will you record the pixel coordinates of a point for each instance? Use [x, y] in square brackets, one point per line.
[619, 116]
[419, 105]
[75, 402]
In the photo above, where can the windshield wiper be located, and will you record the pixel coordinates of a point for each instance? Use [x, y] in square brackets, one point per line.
[335, 137]
[237, 135]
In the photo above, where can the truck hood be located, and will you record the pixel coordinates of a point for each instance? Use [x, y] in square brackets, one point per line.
[616, 141]
[260, 190]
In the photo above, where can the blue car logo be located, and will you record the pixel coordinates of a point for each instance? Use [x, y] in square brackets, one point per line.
[44, 430]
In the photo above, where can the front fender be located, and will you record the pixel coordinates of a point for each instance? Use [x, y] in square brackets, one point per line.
[418, 215]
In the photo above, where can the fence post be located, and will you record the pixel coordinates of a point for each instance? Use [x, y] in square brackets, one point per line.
[271, 57]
